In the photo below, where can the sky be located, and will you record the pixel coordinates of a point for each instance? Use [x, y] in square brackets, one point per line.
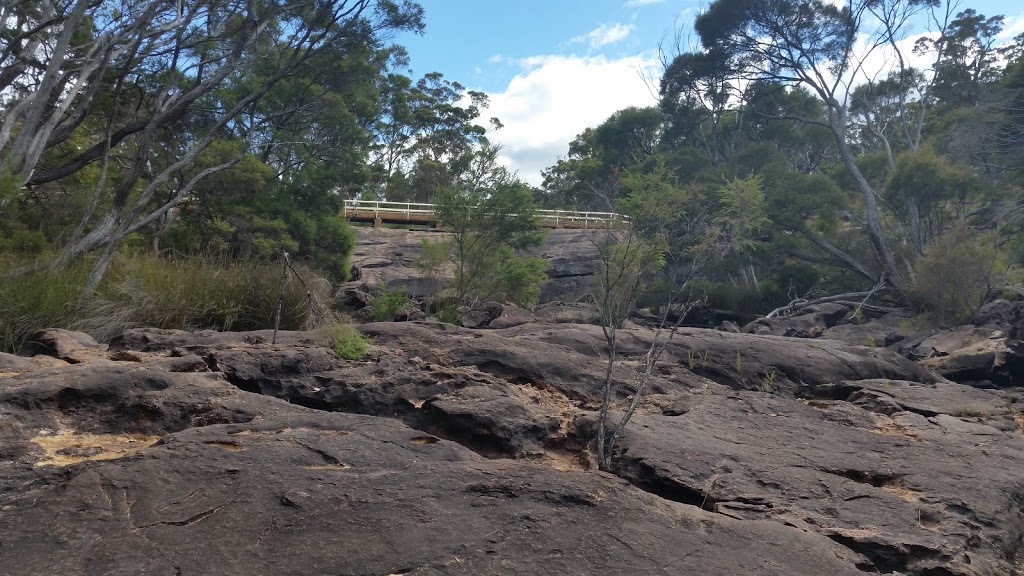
[553, 68]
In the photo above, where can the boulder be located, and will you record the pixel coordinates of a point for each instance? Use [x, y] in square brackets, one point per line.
[572, 257]
[202, 342]
[571, 356]
[991, 362]
[11, 364]
[808, 322]
[480, 316]
[885, 331]
[945, 342]
[67, 345]
[1003, 315]
[729, 326]
[354, 296]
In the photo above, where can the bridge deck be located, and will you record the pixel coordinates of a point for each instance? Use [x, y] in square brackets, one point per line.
[420, 213]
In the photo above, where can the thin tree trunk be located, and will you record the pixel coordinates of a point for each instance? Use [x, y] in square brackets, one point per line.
[879, 243]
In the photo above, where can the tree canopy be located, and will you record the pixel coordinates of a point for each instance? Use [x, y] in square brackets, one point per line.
[863, 170]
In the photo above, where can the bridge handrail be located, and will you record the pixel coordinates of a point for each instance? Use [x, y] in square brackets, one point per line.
[378, 206]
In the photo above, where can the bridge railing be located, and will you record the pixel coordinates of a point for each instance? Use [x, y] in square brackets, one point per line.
[416, 211]
[390, 208]
[573, 217]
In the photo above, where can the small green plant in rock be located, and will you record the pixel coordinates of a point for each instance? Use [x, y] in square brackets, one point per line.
[767, 385]
[691, 359]
[344, 339]
[739, 361]
[870, 342]
[444, 310]
[386, 306]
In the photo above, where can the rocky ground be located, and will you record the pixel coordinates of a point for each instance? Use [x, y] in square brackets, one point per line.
[451, 450]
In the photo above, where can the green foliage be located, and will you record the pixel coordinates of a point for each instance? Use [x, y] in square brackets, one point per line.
[743, 211]
[490, 228]
[386, 306]
[8, 187]
[518, 279]
[245, 213]
[953, 276]
[180, 293]
[23, 242]
[626, 264]
[433, 256]
[663, 211]
[929, 193]
[347, 342]
[444, 309]
[331, 249]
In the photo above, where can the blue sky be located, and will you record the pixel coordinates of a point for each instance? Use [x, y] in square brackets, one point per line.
[554, 67]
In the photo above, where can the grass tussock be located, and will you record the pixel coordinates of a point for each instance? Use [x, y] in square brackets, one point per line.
[187, 293]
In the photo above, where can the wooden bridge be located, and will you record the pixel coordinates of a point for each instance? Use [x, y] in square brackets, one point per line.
[419, 213]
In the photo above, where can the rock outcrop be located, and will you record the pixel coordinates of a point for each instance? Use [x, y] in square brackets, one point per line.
[387, 257]
[450, 450]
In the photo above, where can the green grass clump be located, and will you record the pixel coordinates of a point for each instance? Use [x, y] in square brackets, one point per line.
[187, 293]
[444, 309]
[344, 340]
[387, 305]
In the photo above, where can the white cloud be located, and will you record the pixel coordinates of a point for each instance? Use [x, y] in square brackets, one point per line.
[605, 34]
[558, 97]
[1013, 26]
[638, 3]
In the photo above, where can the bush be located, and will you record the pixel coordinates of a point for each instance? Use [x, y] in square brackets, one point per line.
[346, 341]
[444, 309]
[332, 247]
[387, 305]
[952, 278]
[32, 297]
[143, 290]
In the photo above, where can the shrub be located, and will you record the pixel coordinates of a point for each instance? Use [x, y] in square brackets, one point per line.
[32, 297]
[952, 278]
[347, 342]
[143, 290]
[445, 309]
[387, 305]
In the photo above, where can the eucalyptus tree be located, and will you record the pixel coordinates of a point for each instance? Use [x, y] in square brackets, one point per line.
[117, 74]
[822, 47]
[426, 136]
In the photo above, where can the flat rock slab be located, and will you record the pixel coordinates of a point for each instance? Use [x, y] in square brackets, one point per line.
[570, 356]
[220, 481]
[932, 488]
